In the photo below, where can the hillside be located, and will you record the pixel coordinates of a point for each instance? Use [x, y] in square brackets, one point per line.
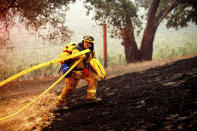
[161, 98]
[158, 94]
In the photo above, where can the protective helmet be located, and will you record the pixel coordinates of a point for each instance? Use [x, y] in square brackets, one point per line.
[88, 38]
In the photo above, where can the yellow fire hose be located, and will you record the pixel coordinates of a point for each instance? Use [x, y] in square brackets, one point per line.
[42, 65]
[71, 68]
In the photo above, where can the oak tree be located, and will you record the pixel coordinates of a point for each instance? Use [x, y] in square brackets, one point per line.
[122, 18]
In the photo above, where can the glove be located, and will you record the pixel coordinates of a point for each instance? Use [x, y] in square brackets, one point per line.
[85, 70]
[64, 68]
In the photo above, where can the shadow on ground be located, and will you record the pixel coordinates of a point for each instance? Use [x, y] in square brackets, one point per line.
[161, 98]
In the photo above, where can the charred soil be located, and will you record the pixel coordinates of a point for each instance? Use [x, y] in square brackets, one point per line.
[161, 98]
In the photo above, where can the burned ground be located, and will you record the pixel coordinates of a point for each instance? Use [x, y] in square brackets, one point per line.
[161, 98]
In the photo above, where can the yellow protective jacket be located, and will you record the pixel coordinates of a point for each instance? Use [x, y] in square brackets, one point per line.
[89, 61]
[87, 57]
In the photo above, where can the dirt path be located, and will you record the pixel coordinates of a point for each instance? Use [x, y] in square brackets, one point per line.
[15, 95]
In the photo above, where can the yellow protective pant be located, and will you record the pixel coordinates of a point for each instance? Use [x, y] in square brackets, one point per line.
[72, 82]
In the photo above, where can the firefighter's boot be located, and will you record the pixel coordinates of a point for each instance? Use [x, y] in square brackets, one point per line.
[60, 104]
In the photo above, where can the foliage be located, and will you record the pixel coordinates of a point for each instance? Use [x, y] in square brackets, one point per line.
[117, 14]
[45, 18]
[185, 12]
[36, 14]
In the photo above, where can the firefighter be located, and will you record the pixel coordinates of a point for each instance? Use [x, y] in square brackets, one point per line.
[82, 71]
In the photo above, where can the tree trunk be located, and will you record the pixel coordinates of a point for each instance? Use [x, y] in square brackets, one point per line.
[146, 49]
[129, 43]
